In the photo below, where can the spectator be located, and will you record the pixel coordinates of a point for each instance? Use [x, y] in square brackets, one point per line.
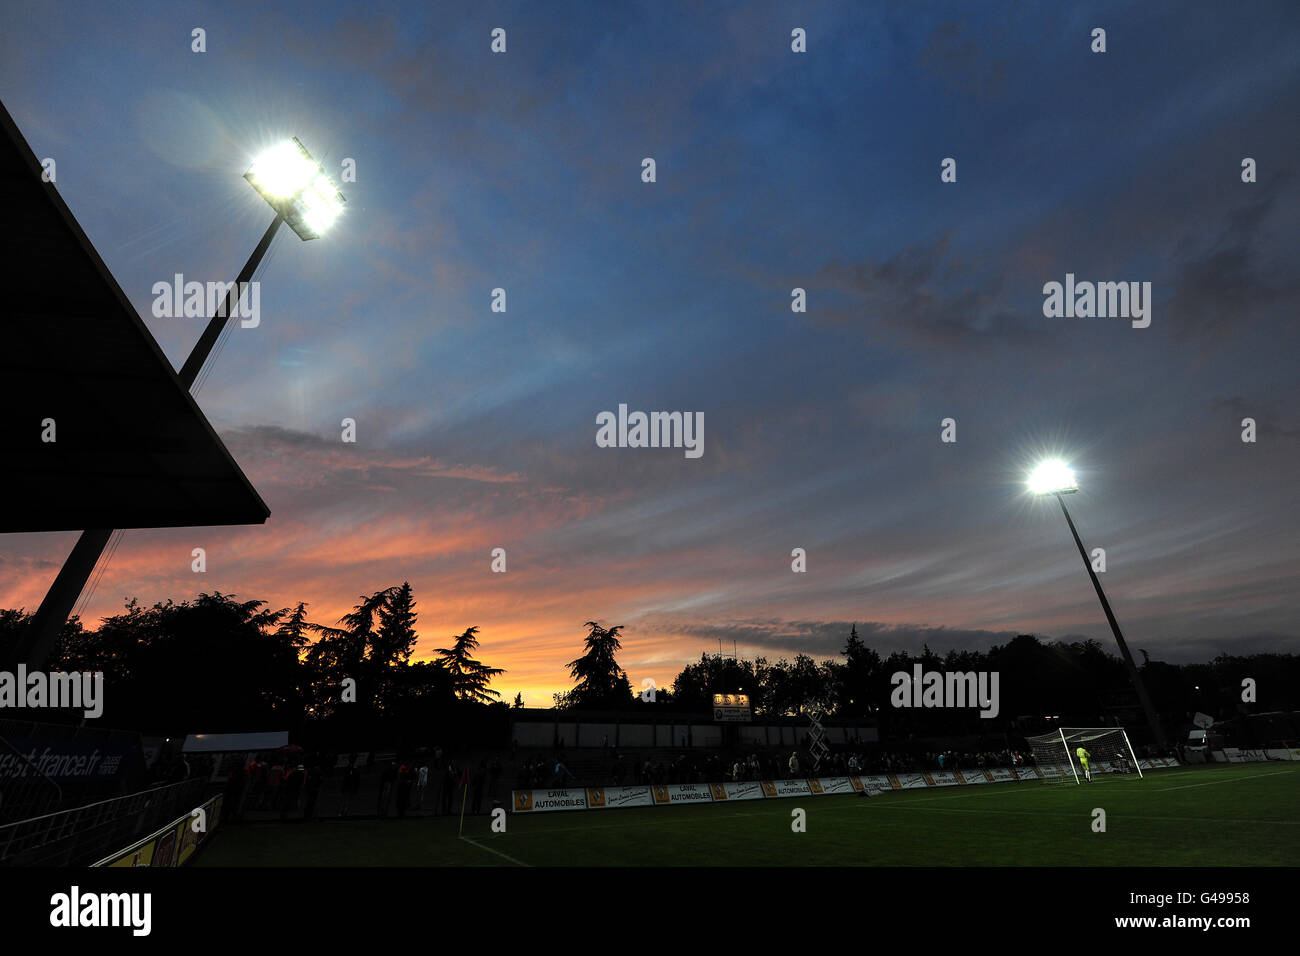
[386, 781]
[405, 780]
[478, 784]
[561, 773]
[232, 804]
[290, 790]
[351, 784]
[311, 791]
[421, 781]
[257, 783]
[180, 769]
[448, 787]
[274, 779]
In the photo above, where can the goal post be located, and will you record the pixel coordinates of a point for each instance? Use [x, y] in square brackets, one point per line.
[1065, 744]
[1108, 751]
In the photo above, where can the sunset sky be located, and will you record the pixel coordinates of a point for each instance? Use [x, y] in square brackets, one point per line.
[775, 170]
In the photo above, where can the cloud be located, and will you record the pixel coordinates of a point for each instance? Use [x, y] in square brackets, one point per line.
[1229, 278]
[821, 639]
[956, 58]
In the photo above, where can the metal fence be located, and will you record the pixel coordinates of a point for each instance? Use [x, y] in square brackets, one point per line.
[27, 794]
[81, 835]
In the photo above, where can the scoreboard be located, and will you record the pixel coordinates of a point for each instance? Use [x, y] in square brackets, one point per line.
[731, 707]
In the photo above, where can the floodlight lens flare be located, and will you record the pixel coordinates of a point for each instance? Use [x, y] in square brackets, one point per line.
[320, 220]
[283, 171]
[297, 187]
[1052, 477]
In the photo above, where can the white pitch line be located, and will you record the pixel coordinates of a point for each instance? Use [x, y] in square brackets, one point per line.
[504, 856]
[1210, 783]
[1127, 816]
[622, 826]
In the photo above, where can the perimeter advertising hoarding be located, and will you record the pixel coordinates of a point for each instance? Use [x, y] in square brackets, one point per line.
[65, 761]
[737, 790]
[682, 793]
[612, 797]
[874, 781]
[568, 798]
[665, 794]
[785, 788]
[172, 845]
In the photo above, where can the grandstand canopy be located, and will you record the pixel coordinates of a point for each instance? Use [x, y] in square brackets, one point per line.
[132, 449]
[225, 743]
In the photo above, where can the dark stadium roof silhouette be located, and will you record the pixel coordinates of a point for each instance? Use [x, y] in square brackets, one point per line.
[133, 449]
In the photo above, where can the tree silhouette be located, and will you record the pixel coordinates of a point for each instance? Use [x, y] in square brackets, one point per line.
[469, 678]
[396, 637]
[601, 682]
[343, 652]
[293, 629]
[214, 663]
[856, 677]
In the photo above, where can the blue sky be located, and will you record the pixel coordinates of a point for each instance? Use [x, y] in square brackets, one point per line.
[774, 170]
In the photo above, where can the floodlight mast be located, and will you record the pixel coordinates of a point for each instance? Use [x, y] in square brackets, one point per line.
[212, 331]
[300, 177]
[1069, 487]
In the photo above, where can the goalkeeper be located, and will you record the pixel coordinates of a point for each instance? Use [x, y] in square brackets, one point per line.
[1083, 756]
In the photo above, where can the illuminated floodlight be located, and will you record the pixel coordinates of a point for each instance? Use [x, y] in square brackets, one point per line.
[1053, 477]
[296, 186]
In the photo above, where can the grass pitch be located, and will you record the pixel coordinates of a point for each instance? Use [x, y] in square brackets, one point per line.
[1229, 815]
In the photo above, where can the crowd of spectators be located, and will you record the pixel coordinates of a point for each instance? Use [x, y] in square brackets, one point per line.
[628, 767]
[770, 764]
[434, 783]
[291, 784]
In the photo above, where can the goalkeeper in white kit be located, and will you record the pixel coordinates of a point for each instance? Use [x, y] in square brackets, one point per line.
[1083, 756]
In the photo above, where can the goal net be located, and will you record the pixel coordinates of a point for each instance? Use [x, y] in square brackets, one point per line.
[1081, 754]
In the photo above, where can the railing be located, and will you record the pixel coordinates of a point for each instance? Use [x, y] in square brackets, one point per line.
[81, 835]
[27, 795]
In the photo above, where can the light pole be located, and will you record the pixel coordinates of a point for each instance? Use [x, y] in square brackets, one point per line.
[1055, 478]
[302, 195]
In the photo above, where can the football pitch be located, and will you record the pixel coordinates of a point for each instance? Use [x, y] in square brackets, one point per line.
[1230, 815]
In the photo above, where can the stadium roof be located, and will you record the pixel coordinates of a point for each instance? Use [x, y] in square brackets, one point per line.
[225, 743]
[132, 449]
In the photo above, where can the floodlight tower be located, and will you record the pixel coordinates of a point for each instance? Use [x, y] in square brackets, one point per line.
[297, 188]
[1054, 477]
[303, 196]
